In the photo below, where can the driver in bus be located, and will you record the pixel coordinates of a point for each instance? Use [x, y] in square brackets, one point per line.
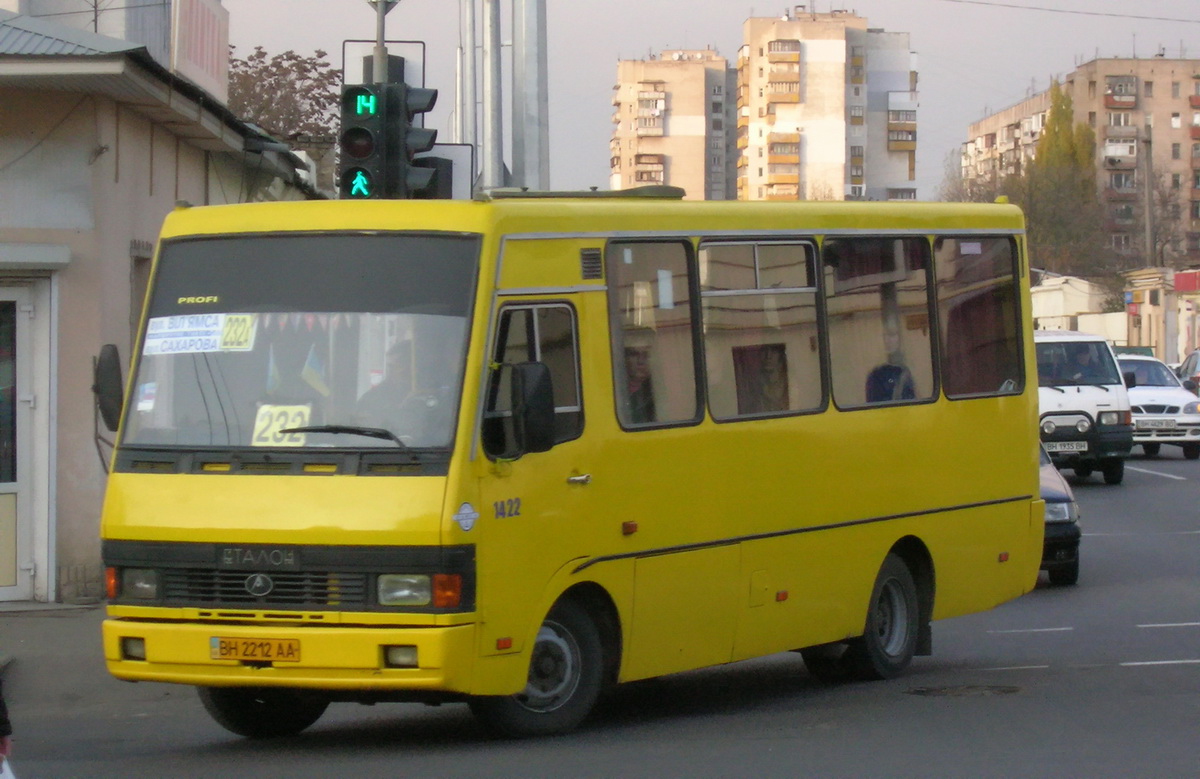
[380, 406]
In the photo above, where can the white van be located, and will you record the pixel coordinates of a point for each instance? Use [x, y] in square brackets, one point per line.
[1083, 404]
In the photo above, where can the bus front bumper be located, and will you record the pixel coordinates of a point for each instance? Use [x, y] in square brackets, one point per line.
[328, 658]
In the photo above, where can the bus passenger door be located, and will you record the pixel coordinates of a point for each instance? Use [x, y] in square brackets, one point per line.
[535, 505]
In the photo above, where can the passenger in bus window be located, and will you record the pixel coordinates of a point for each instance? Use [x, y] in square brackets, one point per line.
[639, 389]
[892, 380]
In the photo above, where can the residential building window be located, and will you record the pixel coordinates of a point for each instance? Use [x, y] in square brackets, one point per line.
[1196, 179]
[1092, 89]
[1176, 181]
[1196, 209]
[1176, 121]
[1091, 118]
[902, 194]
[902, 135]
[1176, 151]
[718, 89]
[1120, 242]
[787, 46]
[856, 151]
[1148, 89]
[856, 171]
[785, 148]
[857, 191]
[718, 123]
[718, 108]
[856, 73]
[902, 116]
[1121, 180]
[1195, 118]
[1123, 212]
[856, 111]
[1175, 89]
[1120, 119]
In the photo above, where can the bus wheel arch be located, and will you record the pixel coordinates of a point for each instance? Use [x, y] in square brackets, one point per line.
[916, 556]
[573, 657]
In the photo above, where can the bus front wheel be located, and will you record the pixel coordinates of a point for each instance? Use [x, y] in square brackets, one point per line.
[566, 670]
[262, 712]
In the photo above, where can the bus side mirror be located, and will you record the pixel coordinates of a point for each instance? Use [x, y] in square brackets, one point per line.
[107, 385]
[1130, 379]
[533, 407]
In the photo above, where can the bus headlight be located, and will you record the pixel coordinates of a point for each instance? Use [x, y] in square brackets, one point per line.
[139, 583]
[398, 589]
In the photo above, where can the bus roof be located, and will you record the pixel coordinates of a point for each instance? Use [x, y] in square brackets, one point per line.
[583, 214]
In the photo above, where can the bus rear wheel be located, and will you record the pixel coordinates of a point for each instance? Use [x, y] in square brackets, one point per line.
[566, 670]
[889, 639]
[262, 712]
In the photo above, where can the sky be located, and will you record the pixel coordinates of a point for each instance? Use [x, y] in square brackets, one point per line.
[974, 57]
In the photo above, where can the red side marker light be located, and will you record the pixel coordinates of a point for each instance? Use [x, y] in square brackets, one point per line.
[504, 643]
[629, 528]
[781, 596]
[1004, 557]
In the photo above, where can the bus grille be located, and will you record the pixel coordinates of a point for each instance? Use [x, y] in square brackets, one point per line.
[208, 588]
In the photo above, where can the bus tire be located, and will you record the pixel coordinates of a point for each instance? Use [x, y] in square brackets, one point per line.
[889, 639]
[566, 673]
[1114, 470]
[262, 712]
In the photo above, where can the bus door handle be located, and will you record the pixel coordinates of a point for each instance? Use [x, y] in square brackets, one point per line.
[583, 479]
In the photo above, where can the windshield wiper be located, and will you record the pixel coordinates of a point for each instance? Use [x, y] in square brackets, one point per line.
[1054, 387]
[369, 432]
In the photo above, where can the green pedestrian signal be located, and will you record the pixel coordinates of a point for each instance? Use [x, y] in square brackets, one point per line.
[363, 147]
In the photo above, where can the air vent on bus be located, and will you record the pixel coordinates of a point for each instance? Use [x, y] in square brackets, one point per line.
[590, 264]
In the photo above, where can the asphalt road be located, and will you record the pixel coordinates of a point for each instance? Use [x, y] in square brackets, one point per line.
[1097, 680]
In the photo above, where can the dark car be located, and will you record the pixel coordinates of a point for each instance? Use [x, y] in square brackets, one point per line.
[1060, 551]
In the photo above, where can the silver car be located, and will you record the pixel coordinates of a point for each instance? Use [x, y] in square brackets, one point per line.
[1165, 410]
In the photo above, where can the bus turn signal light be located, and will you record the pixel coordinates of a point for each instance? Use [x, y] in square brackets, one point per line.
[447, 590]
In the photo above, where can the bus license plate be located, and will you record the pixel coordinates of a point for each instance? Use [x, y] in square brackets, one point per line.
[1155, 424]
[1066, 446]
[264, 650]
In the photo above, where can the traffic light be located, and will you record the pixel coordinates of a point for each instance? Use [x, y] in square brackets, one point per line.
[363, 168]
[407, 180]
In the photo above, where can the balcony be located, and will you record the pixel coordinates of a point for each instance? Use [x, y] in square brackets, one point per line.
[1195, 130]
[1120, 101]
[902, 145]
[1194, 101]
[1123, 193]
[1120, 131]
[1120, 163]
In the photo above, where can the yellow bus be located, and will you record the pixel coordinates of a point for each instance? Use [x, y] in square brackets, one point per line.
[514, 450]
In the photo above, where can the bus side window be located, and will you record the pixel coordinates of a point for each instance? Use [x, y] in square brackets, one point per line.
[877, 303]
[541, 333]
[653, 333]
[980, 319]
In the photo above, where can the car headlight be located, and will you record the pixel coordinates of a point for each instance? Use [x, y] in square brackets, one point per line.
[1049, 427]
[397, 589]
[139, 583]
[1115, 418]
[1083, 425]
[1192, 408]
[1062, 511]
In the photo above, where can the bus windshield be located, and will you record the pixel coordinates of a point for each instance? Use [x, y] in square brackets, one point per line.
[250, 337]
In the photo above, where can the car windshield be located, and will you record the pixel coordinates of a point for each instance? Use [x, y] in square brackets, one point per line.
[1067, 363]
[251, 336]
[1150, 373]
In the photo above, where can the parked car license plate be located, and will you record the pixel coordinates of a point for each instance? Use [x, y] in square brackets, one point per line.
[1154, 424]
[267, 650]
[1066, 446]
